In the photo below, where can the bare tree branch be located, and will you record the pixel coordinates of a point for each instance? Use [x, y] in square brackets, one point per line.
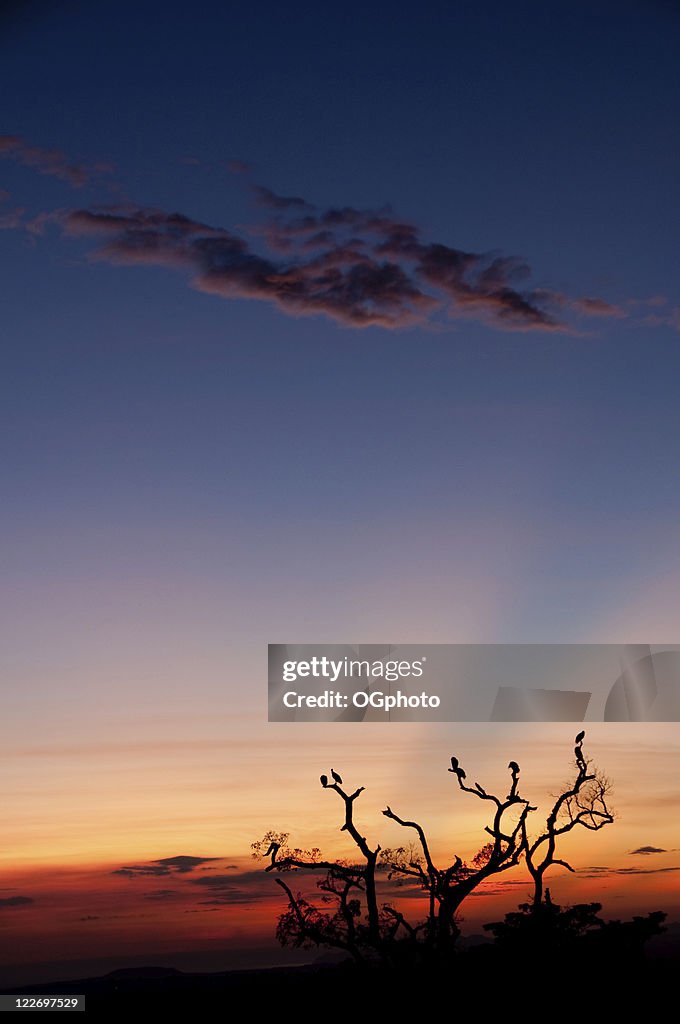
[355, 922]
[583, 803]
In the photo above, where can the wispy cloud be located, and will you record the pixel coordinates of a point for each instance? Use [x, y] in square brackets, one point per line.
[669, 319]
[646, 871]
[359, 267]
[589, 305]
[272, 201]
[164, 866]
[16, 901]
[225, 890]
[349, 286]
[183, 865]
[159, 895]
[141, 871]
[606, 872]
[52, 162]
[648, 849]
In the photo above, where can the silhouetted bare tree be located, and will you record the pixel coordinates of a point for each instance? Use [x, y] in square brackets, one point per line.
[353, 918]
[448, 886]
[583, 803]
[344, 883]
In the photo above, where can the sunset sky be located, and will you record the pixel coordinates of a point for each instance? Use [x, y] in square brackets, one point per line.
[320, 325]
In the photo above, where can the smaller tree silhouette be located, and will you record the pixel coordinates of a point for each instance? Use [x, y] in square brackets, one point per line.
[582, 804]
[343, 884]
[550, 934]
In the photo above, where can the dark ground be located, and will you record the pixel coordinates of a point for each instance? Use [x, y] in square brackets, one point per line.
[472, 985]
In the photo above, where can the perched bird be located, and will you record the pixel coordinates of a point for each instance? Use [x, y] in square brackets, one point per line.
[461, 774]
[454, 764]
[580, 737]
[336, 777]
[273, 848]
[324, 780]
[514, 767]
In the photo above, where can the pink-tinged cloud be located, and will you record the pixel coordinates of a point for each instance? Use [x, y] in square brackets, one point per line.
[669, 319]
[347, 286]
[653, 300]
[52, 162]
[584, 306]
[598, 307]
[360, 267]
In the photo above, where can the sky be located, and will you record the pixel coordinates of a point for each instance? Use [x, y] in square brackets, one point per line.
[318, 325]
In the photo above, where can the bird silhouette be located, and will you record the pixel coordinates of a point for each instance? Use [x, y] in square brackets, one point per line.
[454, 764]
[580, 737]
[461, 774]
[336, 777]
[514, 767]
[324, 780]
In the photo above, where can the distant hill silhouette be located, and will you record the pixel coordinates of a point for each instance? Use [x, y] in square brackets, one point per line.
[305, 990]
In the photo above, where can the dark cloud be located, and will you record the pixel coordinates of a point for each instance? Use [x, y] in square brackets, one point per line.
[163, 866]
[184, 864]
[644, 871]
[52, 162]
[648, 849]
[16, 901]
[234, 896]
[354, 291]
[273, 201]
[360, 267]
[224, 890]
[141, 870]
[160, 894]
[231, 893]
[244, 878]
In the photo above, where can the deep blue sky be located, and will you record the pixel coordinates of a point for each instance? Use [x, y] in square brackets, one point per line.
[178, 464]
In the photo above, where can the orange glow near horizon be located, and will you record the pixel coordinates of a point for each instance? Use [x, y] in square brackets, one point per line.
[79, 812]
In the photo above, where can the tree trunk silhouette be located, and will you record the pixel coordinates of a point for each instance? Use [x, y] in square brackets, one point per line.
[584, 804]
[353, 918]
